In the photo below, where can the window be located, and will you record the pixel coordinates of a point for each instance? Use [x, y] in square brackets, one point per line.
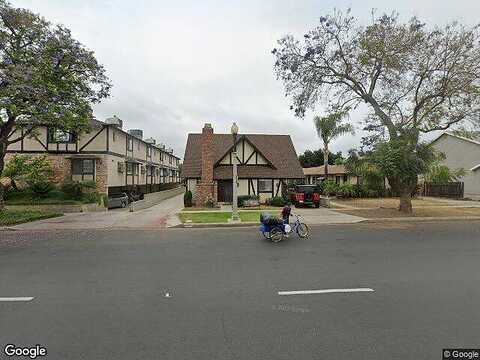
[345, 178]
[113, 135]
[138, 145]
[83, 169]
[149, 151]
[265, 185]
[129, 168]
[337, 179]
[60, 136]
[130, 144]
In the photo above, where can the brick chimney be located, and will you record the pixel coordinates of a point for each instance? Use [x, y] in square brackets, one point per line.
[207, 153]
[206, 186]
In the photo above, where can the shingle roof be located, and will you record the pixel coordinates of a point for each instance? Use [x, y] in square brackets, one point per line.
[320, 170]
[277, 149]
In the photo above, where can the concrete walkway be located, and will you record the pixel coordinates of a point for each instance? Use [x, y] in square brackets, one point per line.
[155, 217]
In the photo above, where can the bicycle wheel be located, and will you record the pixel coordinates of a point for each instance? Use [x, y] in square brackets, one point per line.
[302, 230]
[276, 235]
[266, 234]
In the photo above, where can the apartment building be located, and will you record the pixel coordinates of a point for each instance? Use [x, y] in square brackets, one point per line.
[116, 159]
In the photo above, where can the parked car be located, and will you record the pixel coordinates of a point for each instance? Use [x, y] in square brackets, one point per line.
[306, 195]
[118, 200]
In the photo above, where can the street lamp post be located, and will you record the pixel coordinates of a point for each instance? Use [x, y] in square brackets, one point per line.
[235, 217]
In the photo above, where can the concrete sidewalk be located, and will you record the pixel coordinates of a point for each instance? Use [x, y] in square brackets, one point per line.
[155, 217]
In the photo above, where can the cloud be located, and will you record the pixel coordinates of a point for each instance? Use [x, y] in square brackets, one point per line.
[176, 65]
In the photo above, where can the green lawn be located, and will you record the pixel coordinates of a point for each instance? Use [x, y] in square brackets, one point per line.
[12, 217]
[208, 217]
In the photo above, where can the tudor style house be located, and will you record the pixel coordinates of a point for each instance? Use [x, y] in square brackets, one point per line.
[265, 164]
[117, 160]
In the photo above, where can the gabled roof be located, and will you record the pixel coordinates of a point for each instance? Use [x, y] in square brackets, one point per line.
[278, 150]
[475, 140]
[320, 170]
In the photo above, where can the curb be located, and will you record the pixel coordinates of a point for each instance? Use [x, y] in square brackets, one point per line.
[215, 225]
[420, 219]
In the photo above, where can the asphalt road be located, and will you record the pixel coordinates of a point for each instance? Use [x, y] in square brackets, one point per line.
[103, 294]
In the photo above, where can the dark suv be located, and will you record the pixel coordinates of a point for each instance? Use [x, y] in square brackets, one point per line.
[305, 195]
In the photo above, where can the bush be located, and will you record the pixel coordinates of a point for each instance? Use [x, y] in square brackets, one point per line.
[73, 189]
[210, 203]
[187, 198]
[244, 198]
[277, 201]
[329, 187]
[346, 191]
[78, 190]
[41, 189]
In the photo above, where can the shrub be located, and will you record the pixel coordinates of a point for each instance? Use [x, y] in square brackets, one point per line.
[210, 203]
[329, 187]
[73, 189]
[41, 189]
[244, 198]
[277, 201]
[346, 190]
[78, 190]
[187, 198]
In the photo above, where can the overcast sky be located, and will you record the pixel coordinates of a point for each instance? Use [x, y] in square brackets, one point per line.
[178, 64]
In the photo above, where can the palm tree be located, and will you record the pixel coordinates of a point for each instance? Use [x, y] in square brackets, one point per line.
[328, 128]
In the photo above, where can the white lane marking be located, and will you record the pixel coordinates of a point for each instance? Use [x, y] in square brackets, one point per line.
[15, 299]
[324, 291]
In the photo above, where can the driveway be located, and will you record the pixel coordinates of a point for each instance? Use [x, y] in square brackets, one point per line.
[314, 216]
[158, 216]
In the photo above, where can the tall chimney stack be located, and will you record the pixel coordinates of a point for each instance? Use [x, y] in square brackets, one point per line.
[206, 187]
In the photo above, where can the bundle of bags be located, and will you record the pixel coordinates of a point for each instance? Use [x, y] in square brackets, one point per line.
[269, 219]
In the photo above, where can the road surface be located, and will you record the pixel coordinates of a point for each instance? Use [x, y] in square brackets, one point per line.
[214, 293]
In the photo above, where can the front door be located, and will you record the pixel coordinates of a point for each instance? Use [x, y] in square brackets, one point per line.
[225, 191]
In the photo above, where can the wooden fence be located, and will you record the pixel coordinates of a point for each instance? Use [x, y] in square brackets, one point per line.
[451, 190]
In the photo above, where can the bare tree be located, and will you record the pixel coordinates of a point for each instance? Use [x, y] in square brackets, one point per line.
[414, 79]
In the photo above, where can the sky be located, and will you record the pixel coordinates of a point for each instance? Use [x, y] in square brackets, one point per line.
[176, 65]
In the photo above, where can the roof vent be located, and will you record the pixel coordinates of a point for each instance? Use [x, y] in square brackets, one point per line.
[150, 141]
[115, 121]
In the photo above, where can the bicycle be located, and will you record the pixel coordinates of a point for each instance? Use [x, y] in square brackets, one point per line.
[277, 232]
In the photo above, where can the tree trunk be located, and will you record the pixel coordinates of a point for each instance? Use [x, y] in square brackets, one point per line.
[404, 190]
[325, 161]
[2, 165]
[406, 203]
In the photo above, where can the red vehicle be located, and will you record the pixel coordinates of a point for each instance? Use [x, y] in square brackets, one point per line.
[306, 195]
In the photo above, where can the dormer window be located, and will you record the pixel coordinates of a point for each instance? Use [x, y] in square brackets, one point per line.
[60, 136]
